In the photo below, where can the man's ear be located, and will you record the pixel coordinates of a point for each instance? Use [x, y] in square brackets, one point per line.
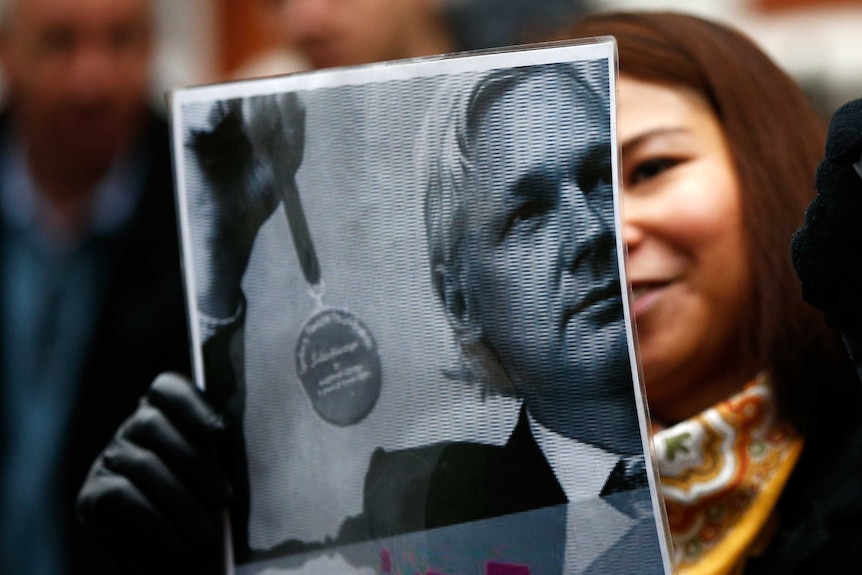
[455, 301]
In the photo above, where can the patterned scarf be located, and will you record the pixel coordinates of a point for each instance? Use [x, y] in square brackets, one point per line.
[721, 474]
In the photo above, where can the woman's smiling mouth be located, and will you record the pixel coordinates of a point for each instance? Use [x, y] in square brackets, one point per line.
[645, 294]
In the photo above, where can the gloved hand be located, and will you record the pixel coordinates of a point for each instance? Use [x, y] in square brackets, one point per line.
[827, 249]
[236, 166]
[158, 492]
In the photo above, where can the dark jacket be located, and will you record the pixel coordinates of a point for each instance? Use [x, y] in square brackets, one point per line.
[141, 331]
[449, 483]
[820, 510]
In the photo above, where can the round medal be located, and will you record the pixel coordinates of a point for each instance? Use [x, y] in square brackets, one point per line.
[338, 365]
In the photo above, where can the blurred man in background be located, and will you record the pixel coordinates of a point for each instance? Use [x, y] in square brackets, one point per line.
[91, 300]
[323, 33]
[330, 33]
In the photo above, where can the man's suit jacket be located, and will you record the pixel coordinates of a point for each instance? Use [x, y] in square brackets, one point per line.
[443, 484]
[141, 331]
[451, 483]
[448, 483]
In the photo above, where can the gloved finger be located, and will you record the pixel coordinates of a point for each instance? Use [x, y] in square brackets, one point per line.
[830, 295]
[187, 408]
[840, 190]
[113, 506]
[292, 109]
[196, 465]
[260, 122]
[829, 277]
[291, 135]
[196, 523]
[227, 111]
[835, 238]
[844, 139]
[277, 118]
[224, 151]
[833, 227]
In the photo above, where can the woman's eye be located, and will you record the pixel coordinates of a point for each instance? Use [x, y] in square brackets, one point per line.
[651, 168]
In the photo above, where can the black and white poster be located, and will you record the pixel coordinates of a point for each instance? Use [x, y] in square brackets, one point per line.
[406, 287]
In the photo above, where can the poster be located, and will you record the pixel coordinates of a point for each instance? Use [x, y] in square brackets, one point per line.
[406, 285]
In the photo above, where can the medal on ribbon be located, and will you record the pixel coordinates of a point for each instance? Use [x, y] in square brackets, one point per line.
[337, 361]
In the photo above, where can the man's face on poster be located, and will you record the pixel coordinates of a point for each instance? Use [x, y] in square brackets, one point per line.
[539, 272]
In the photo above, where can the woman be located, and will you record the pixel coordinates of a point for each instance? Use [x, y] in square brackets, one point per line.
[748, 388]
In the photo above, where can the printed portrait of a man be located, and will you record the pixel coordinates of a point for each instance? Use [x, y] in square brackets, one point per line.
[500, 188]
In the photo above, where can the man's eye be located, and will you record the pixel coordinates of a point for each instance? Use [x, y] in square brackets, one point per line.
[526, 213]
[593, 174]
[651, 168]
[529, 210]
[124, 37]
[57, 40]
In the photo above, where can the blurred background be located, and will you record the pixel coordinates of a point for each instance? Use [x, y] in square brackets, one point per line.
[819, 42]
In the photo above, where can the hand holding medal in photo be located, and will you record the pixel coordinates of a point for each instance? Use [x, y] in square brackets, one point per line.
[336, 355]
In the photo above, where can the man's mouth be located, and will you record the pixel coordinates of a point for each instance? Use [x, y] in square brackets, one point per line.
[603, 305]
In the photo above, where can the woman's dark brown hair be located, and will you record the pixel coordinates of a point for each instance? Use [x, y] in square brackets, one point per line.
[776, 138]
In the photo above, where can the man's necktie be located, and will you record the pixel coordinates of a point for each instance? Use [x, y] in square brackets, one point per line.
[628, 473]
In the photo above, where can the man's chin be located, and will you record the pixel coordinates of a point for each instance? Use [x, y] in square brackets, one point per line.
[97, 128]
[92, 147]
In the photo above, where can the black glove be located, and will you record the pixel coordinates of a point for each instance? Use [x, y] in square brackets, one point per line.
[157, 494]
[827, 249]
[237, 166]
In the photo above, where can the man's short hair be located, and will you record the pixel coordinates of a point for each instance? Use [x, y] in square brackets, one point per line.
[445, 164]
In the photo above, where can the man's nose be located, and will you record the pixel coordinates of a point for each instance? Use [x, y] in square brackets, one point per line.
[587, 232]
[92, 72]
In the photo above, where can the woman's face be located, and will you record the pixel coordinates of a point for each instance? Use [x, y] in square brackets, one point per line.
[687, 262]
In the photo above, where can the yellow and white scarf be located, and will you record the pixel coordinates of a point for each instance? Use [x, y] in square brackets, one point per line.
[721, 474]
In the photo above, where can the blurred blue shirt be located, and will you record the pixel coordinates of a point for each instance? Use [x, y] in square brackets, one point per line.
[51, 290]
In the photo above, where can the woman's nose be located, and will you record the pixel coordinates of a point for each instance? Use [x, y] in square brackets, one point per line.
[633, 231]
